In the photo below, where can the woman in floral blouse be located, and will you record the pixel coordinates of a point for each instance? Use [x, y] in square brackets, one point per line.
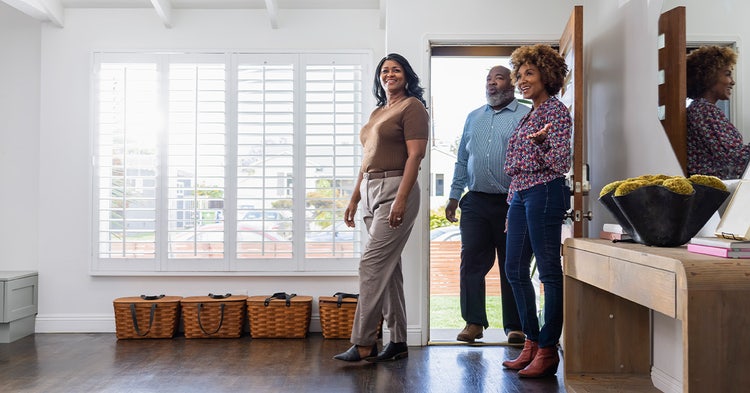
[714, 145]
[538, 158]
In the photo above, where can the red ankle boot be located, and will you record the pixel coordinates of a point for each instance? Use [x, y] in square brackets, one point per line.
[527, 355]
[544, 364]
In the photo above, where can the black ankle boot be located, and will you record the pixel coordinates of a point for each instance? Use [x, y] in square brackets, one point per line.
[392, 351]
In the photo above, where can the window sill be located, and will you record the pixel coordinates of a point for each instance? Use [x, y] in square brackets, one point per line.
[312, 273]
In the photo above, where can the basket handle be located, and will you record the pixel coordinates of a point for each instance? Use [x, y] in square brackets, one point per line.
[340, 296]
[212, 296]
[135, 319]
[151, 297]
[280, 295]
[221, 321]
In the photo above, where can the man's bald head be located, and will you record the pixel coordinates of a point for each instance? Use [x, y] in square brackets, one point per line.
[499, 87]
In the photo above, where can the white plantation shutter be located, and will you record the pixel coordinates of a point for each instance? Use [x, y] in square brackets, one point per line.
[226, 161]
[127, 158]
[265, 160]
[333, 118]
[196, 157]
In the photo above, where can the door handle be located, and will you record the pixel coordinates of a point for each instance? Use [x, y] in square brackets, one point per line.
[576, 215]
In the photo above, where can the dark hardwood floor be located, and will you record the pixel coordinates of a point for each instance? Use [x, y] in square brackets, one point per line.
[100, 363]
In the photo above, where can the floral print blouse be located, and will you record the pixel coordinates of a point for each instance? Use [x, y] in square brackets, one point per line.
[529, 163]
[714, 145]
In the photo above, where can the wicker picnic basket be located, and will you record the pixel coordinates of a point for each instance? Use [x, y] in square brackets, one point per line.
[337, 314]
[213, 316]
[146, 316]
[280, 315]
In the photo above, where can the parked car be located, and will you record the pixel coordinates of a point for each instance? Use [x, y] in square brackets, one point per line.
[272, 220]
[338, 232]
[446, 234]
[268, 215]
[207, 241]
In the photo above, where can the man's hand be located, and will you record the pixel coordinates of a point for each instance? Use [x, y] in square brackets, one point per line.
[450, 210]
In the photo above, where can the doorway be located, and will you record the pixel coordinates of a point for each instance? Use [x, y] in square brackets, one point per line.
[457, 84]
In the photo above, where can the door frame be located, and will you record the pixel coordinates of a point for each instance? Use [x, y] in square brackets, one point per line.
[431, 41]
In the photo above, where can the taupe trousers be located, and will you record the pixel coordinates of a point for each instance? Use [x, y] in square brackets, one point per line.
[381, 283]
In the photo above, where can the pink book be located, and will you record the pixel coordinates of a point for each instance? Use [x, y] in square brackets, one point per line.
[719, 251]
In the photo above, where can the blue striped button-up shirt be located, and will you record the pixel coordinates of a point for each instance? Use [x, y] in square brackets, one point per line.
[481, 153]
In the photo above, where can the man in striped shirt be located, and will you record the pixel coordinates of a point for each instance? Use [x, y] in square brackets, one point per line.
[479, 168]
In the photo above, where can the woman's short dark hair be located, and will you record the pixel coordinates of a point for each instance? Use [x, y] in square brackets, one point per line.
[413, 89]
[550, 63]
[704, 65]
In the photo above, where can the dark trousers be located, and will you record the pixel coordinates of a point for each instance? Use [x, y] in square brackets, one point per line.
[483, 238]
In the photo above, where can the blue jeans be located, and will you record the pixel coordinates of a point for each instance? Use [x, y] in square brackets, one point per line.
[535, 218]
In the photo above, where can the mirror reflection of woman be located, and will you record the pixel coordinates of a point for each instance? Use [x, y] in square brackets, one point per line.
[714, 145]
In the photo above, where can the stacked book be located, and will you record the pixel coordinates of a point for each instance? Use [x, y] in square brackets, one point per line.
[614, 232]
[720, 247]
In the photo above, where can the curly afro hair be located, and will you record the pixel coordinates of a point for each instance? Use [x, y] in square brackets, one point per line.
[551, 65]
[704, 65]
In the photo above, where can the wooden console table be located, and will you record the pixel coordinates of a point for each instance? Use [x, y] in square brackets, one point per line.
[610, 289]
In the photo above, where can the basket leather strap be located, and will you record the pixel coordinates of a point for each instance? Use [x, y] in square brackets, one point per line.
[280, 295]
[151, 297]
[135, 319]
[340, 296]
[200, 324]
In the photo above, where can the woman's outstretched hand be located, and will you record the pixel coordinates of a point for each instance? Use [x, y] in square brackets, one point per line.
[541, 135]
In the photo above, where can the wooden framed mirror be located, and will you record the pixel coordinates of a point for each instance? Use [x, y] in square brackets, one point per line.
[673, 81]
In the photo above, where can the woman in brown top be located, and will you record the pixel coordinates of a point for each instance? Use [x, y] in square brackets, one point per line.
[394, 142]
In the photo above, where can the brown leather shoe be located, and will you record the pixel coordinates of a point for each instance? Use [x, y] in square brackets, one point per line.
[544, 364]
[471, 332]
[528, 354]
[516, 337]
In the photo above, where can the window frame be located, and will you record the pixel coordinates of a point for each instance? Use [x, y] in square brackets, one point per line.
[229, 264]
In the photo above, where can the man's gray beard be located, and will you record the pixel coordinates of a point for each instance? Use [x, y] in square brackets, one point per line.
[501, 97]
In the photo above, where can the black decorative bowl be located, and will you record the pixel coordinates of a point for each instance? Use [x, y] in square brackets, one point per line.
[656, 216]
[608, 200]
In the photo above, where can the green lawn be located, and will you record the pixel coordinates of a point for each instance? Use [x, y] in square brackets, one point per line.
[445, 312]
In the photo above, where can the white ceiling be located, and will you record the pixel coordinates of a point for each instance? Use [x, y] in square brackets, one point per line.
[227, 4]
[53, 10]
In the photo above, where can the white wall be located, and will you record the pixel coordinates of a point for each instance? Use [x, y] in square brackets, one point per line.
[625, 136]
[69, 298]
[19, 139]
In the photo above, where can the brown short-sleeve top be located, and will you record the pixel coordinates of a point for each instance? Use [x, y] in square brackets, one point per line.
[385, 134]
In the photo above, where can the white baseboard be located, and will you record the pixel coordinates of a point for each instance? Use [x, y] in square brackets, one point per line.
[413, 336]
[72, 323]
[105, 323]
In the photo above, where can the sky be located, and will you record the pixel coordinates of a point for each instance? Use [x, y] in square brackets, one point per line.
[458, 87]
